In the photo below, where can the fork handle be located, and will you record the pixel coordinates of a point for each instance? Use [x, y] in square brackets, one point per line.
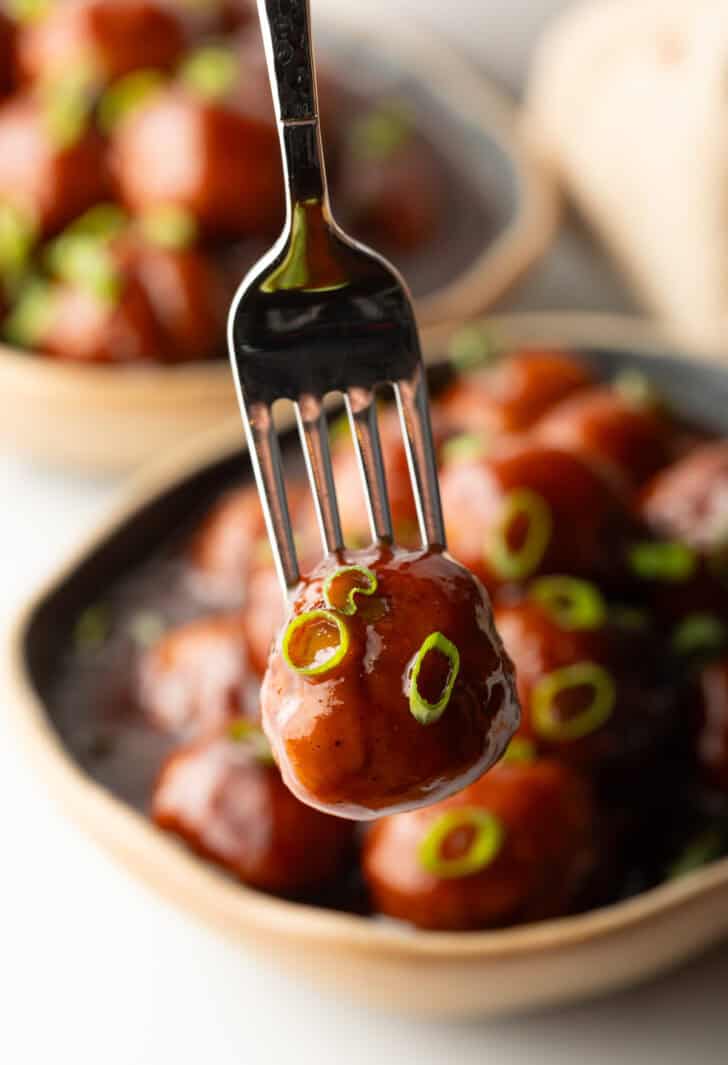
[287, 35]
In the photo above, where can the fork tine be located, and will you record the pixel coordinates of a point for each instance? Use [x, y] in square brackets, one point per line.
[362, 408]
[315, 440]
[414, 412]
[265, 456]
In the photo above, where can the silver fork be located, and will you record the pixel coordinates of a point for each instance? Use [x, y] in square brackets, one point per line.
[318, 314]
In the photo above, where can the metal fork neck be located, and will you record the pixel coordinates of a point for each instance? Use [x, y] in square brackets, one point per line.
[303, 162]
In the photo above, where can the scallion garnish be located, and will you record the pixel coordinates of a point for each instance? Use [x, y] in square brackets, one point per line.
[701, 850]
[636, 388]
[145, 627]
[667, 560]
[516, 563]
[470, 346]
[18, 234]
[92, 627]
[463, 447]
[32, 314]
[546, 719]
[424, 710]
[86, 261]
[519, 751]
[126, 95]
[572, 603]
[699, 634]
[341, 587]
[28, 10]
[380, 133]
[169, 226]
[211, 72]
[103, 221]
[243, 731]
[315, 643]
[484, 839]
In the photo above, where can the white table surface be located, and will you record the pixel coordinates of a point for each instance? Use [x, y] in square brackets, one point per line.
[95, 969]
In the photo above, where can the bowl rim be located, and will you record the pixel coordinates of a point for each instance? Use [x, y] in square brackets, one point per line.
[500, 262]
[215, 897]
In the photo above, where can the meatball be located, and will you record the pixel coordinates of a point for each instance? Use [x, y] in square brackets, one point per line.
[592, 694]
[388, 686]
[530, 509]
[608, 426]
[224, 548]
[49, 167]
[195, 679]
[206, 156]
[389, 183]
[689, 500]
[712, 738]
[517, 845]
[112, 37]
[226, 799]
[513, 394]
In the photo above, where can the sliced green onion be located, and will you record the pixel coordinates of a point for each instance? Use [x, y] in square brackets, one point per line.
[126, 95]
[699, 634]
[92, 627]
[487, 839]
[341, 586]
[546, 720]
[103, 221]
[211, 72]
[145, 627]
[519, 751]
[463, 447]
[66, 104]
[32, 314]
[28, 10]
[87, 262]
[669, 560]
[169, 226]
[517, 563]
[421, 709]
[380, 133]
[701, 850]
[315, 643]
[572, 603]
[472, 345]
[636, 388]
[242, 731]
[18, 234]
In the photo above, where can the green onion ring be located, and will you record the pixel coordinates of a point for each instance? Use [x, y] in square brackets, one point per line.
[698, 633]
[348, 607]
[472, 345]
[484, 848]
[580, 674]
[516, 565]
[211, 71]
[519, 751]
[242, 731]
[464, 446]
[422, 710]
[574, 604]
[320, 668]
[126, 95]
[669, 560]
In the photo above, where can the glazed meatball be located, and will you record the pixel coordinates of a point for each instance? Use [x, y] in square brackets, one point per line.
[387, 686]
[48, 169]
[511, 395]
[629, 436]
[226, 799]
[196, 679]
[592, 694]
[689, 500]
[224, 548]
[111, 37]
[531, 509]
[712, 737]
[515, 846]
[209, 157]
[389, 184]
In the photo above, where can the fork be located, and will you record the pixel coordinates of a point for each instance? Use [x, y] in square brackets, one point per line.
[319, 314]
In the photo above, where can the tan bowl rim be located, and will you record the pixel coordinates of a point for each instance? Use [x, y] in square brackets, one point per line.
[499, 264]
[185, 878]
